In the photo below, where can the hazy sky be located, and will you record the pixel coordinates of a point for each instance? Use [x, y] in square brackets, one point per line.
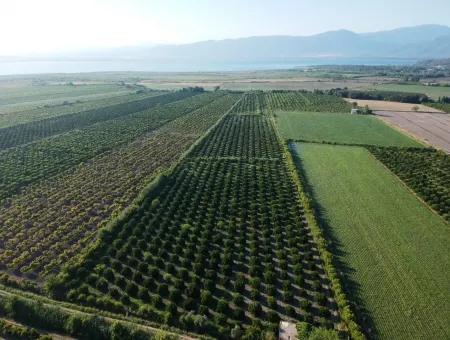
[30, 26]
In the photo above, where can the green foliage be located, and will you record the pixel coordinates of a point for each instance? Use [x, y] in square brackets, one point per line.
[29, 163]
[394, 96]
[243, 193]
[10, 330]
[323, 334]
[29, 132]
[78, 204]
[340, 128]
[384, 220]
[424, 170]
[305, 101]
[441, 106]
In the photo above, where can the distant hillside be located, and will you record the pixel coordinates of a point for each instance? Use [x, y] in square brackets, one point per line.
[419, 42]
[428, 41]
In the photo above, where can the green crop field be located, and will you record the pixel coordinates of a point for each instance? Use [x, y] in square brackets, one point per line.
[433, 92]
[339, 128]
[394, 248]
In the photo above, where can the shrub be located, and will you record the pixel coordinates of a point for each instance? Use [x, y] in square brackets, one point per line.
[254, 308]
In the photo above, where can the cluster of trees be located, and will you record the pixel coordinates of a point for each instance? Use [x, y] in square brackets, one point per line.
[23, 284]
[252, 102]
[28, 132]
[74, 206]
[14, 331]
[444, 100]
[317, 101]
[402, 97]
[426, 171]
[244, 136]
[25, 164]
[222, 245]
[54, 319]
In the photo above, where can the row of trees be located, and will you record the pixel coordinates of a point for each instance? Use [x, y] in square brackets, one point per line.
[75, 205]
[426, 171]
[224, 243]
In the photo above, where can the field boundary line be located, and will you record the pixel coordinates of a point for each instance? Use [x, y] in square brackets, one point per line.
[406, 186]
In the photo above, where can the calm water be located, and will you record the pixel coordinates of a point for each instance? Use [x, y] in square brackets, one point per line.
[32, 67]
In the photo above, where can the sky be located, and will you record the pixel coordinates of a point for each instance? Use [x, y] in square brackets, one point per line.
[47, 26]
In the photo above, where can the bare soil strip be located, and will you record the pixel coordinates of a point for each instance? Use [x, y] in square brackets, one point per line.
[432, 128]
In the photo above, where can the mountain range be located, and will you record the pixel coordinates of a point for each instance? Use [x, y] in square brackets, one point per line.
[418, 42]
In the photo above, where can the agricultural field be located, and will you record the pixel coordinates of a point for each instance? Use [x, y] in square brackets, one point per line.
[25, 115]
[79, 201]
[392, 248]
[43, 93]
[426, 171]
[341, 128]
[431, 128]
[29, 163]
[29, 132]
[127, 210]
[305, 101]
[259, 101]
[383, 105]
[434, 92]
[218, 244]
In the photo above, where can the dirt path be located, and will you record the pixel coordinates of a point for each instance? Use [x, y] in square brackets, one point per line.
[431, 127]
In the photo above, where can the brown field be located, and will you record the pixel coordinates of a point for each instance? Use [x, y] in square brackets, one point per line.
[380, 105]
[298, 83]
[432, 128]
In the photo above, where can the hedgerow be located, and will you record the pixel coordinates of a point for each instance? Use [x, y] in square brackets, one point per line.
[55, 319]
